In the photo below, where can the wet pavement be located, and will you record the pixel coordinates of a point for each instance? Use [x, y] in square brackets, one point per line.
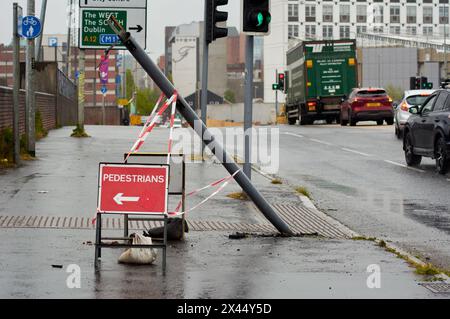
[63, 182]
[355, 175]
[206, 265]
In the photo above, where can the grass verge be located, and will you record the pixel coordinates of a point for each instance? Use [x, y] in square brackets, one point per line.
[238, 196]
[425, 269]
[303, 191]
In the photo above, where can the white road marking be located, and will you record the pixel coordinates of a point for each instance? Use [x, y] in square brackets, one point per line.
[320, 142]
[292, 134]
[356, 152]
[405, 166]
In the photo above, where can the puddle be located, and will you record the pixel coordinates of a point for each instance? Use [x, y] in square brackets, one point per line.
[435, 216]
[324, 184]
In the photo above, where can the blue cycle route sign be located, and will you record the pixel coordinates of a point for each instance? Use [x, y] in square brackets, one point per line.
[31, 27]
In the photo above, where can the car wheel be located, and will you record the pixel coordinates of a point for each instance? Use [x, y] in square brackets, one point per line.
[292, 121]
[411, 158]
[442, 157]
[398, 132]
[380, 122]
[303, 120]
[351, 119]
[390, 121]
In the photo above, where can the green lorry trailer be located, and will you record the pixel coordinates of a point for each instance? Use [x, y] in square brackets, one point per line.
[320, 74]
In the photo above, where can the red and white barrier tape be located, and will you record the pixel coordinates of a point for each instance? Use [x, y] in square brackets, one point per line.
[224, 181]
[172, 121]
[149, 128]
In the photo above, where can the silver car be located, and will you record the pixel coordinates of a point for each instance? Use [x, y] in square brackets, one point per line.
[411, 98]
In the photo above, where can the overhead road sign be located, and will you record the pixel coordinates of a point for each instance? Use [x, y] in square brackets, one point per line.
[134, 189]
[113, 4]
[95, 32]
[31, 27]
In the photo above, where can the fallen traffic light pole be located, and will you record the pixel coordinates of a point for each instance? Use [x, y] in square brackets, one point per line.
[191, 117]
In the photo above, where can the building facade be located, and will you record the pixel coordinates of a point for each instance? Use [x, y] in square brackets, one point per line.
[186, 54]
[296, 20]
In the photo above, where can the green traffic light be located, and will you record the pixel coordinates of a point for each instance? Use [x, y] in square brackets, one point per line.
[260, 19]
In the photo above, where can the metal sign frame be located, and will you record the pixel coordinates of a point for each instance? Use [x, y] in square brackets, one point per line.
[85, 6]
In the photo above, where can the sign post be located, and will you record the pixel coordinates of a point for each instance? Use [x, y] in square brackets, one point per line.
[17, 33]
[31, 29]
[95, 32]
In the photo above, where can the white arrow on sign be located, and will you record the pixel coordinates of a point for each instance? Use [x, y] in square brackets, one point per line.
[119, 199]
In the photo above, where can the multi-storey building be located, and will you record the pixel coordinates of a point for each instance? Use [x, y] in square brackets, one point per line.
[294, 20]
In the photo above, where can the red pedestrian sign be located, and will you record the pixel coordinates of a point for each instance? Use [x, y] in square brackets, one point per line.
[139, 189]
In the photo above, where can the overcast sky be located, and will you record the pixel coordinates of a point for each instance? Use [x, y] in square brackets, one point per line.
[161, 13]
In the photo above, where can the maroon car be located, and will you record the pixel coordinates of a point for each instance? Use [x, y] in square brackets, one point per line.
[367, 104]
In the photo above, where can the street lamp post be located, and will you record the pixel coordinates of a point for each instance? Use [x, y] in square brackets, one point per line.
[445, 42]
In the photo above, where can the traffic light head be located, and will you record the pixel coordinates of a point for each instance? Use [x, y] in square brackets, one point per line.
[214, 16]
[256, 16]
[281, 82]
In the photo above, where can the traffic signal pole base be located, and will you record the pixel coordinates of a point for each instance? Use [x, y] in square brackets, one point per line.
[192, 118]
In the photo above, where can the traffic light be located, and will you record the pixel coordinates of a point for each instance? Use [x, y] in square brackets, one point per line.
[281, 81]
[418, 83]
[213, 16]
[256, 16]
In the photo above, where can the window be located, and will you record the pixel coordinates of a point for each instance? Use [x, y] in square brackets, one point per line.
[411, 14]
[310, 31]
[428, 15]
[428, 106]
[395, 14]
[378, 13]
[292, 31]
[378, 29]
[394, 29]
[310, 13]
[427, 30]
[361, 13]
[361, 29]
[440, 102]
[327, 32]
[443, 14]
[344, 13]
[411, 30]
[344, 32]
[327, 15]
[293, 12]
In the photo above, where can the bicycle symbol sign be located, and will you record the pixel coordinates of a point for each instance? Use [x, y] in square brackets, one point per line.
[31, 27]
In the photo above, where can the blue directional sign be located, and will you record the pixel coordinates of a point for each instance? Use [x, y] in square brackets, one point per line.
[104, 89]
[53, 42]
[31, 27]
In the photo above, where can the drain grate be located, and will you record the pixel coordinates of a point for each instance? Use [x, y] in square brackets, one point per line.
[302, 221]
[437, 287]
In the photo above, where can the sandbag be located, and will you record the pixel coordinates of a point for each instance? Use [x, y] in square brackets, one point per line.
[139, 256]
[174, 230]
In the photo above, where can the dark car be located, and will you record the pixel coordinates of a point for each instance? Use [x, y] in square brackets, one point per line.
[427, 132]
[369, 104]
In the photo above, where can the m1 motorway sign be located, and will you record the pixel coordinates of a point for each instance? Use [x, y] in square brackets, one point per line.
[133, 189]
[95, 32]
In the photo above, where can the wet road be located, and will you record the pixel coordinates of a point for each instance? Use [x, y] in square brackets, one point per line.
[358, 176]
